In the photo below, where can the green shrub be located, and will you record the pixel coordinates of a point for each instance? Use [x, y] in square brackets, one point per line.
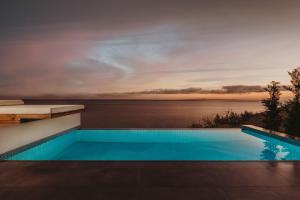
[292, 124]
[272, 118]
[229, 120]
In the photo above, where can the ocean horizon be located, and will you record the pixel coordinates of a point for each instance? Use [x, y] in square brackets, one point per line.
[152, 113]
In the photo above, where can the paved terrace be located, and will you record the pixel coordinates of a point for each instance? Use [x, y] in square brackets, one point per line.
[149, 180]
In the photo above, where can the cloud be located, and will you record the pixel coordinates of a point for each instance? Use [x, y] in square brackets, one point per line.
[232, 89]
[171, 91]
[101, 46]
[243, 88]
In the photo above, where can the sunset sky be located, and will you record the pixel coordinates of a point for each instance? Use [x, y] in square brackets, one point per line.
[89, 47]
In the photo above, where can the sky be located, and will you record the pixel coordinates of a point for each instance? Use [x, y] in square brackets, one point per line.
[107, 47]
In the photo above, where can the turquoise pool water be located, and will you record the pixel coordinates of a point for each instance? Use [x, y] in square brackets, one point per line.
[161, 145]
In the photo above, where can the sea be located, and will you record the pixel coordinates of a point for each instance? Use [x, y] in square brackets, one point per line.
[152, 113]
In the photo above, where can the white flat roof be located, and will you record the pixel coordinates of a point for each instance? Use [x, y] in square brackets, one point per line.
[11, 102]
[39, 109]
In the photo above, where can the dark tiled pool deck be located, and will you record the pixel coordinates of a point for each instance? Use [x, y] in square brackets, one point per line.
[149, 180]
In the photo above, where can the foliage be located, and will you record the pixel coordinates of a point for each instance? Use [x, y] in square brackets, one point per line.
[293, 107]
[272, 118]
[230, 120]
[295, 81]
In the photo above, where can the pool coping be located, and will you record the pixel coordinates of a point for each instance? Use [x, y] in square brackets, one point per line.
[158, 129]
[275, 134]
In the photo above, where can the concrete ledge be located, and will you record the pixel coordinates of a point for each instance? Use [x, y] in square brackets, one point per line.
[11, 102]
[281, 136]
[39, 109]
[16, 114]
[13, 137]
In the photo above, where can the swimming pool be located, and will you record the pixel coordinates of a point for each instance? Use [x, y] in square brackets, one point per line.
[161, 145]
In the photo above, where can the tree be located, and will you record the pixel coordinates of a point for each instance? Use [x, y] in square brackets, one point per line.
[272, 119]
[293, 107]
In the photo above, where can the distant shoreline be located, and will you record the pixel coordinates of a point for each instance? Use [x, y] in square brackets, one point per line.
[247, 97]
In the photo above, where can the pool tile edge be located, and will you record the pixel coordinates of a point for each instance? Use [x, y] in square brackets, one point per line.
[278, 135]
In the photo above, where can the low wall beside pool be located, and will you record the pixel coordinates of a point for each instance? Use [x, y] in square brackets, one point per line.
[16, 136]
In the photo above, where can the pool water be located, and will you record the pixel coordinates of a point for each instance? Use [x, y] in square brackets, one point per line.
[161, 145]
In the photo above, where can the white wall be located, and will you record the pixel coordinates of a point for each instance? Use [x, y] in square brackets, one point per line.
[12, 137]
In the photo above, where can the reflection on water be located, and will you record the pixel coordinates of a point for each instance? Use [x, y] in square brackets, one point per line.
[273, 151]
